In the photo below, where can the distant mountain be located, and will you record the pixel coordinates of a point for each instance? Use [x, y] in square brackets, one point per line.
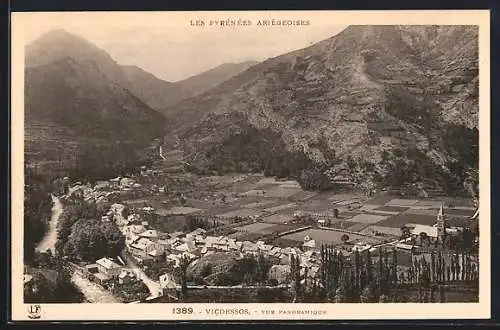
[382, 105]
[58, 44]
[204, 81]
[77, 114]
[155, 92]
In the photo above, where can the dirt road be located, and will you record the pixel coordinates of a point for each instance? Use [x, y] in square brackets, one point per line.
[93, 293]
[49, 240]
[153, 286]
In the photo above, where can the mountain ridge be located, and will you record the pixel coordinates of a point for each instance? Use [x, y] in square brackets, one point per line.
[209, 79]
[386, 88]
[76, 113]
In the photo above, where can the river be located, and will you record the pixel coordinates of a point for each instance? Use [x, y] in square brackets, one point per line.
[49, 240]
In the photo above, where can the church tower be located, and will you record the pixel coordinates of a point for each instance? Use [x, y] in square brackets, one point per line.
[440, 224]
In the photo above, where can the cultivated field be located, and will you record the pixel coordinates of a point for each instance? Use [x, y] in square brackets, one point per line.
[275, 203]
[322, 236]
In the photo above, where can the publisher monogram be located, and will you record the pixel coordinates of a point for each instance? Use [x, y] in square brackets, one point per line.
[34, 311]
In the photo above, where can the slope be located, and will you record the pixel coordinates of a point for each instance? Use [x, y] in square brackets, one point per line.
[378, 104]
[204, 81]
[58, 44]
[76, 115]
[155, 92]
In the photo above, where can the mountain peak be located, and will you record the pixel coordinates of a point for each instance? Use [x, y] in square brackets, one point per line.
[57, 44]
[58, 33]
[59, 37]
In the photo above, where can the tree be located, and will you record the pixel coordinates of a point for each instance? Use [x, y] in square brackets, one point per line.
[442, 297]
[184, 263]
[344, 238]
[336, 213]
[339, 296]
[405, 232]
[295, 273]
[39, 289]
[75, 210]
[366, 296]
[424, 239]
[92, 239]
[37, 211]
[65, 291]
[182, 200]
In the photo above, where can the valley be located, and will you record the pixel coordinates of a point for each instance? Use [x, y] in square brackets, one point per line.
[346, 171]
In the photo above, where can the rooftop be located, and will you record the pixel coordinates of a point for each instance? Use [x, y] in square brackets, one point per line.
[149, 233]
[107, 263]
[141, 244]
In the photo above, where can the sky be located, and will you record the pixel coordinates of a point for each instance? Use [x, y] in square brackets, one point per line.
[170, 47]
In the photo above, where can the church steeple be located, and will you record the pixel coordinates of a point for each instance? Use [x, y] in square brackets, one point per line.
[440, 223]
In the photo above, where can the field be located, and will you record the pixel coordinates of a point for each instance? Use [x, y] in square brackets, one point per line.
[389, 231]
[278, 218]
[399, 220]
[328, 236]
[275, 203]
[177, 210]
[392, 209]
[241, 213]
[267, 228]
[367, 218]
[258, 227]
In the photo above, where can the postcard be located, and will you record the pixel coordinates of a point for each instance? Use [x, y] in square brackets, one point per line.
[250, 165]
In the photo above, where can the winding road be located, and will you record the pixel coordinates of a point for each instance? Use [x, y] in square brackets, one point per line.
[49, 240]
[153, 286]
[93, 293]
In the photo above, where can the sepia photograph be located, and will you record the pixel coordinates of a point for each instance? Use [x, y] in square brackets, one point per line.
[250, 165]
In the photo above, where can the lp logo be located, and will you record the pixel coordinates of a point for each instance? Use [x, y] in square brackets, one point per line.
[34, 312]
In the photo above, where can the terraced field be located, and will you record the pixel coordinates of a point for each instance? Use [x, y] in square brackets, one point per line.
[274, 205]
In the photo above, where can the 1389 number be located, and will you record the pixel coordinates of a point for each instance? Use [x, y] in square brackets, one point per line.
[183, 310]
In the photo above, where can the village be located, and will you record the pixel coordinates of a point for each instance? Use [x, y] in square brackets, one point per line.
[167, 227]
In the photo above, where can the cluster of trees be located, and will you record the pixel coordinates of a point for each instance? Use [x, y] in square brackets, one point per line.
[193, 222]
[248, 270]
[37, 211]
[256, 150]
[413, 166]
[132, 290]
[59, 289]
[180, 273]
[156, 269]
[463, 242]
[51, 282]
[92, 239]
[417, 112]
[457, 140]
[366, 279]
[101, 161]
[440, 269]
[254, 268]
[263, 150]
[82, 236]
[463, 144]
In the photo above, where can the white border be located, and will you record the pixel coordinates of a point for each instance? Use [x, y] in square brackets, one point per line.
[136, 312]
